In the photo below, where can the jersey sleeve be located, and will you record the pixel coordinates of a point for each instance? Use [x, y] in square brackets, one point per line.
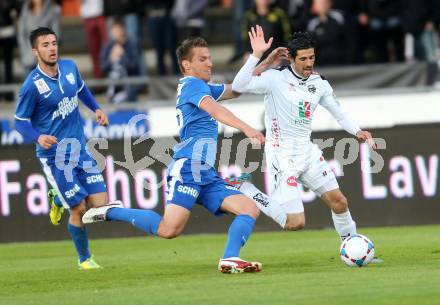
[329, 101]
[244, 81]
[217, 90]
[27, 99]
[196, 90]
[78, 78]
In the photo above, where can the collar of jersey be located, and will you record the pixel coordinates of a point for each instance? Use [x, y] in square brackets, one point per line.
[50, 77]
[296, 74]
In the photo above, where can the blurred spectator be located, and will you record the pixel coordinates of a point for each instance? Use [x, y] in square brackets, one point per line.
[298, 12]
[385, 30]
[418, 19]
[163, 33]
[239, 9]
[119, 58]
[189, 17]
[356, 36]
[35, 13]
[329, 31]
[273, 20]
[96, 32]
[8, 14]
[131, 13]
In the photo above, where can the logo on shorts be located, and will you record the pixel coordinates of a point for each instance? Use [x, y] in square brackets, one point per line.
[95, 179]
[261, 200]
[70, 193]
[291, 181]
[188, 191]
[232, 188]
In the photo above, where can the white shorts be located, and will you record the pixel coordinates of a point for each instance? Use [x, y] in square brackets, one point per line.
[288, 167]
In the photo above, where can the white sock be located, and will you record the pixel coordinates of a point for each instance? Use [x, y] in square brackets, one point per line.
[264, 203]
[344, 224]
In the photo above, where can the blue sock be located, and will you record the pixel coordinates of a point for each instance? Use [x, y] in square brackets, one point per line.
[239, 232]
[146, 220]
[58, 202]
[80, 240]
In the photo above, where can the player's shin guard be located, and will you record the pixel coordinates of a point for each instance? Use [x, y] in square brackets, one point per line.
[344, 224]
[239, 232]
[145, 220]
[264, 203]
[80, 240]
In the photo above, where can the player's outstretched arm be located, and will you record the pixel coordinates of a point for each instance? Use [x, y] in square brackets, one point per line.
[226, 117]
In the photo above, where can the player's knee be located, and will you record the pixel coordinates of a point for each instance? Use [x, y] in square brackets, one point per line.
[170, 233]
[339, 204]
[295, 224]
[252, 211]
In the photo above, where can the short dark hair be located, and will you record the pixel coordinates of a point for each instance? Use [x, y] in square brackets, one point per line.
[41, 31]
[300, 41]
[184, 51]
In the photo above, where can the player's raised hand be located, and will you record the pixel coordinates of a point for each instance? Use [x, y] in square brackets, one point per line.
[273, 60]
[101, 117]
[46, 141]
[258, 43]
[365, 136]
[256, 136]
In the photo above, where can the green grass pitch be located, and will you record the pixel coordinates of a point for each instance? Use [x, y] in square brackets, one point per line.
[298, 268]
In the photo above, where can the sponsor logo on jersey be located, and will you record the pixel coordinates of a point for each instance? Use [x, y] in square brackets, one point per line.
[95, 179]
[65, 107]
[311, 88]
[291, 181]
[275, 130]
[261, 200]
[70, 193]
[188, 191]
[71, 78]
[41, 86]
[304, 109]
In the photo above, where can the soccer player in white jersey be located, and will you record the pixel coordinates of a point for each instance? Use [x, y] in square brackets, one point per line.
[291, 95]
[192, 178]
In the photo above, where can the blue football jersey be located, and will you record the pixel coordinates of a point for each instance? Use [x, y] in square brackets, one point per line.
[51, 104]
[198, 130]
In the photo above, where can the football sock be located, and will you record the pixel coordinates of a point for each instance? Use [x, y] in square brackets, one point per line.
[239, 232]
[58, 201]
[344, 224]
[80, 240]
[145, 220]
[264, 203]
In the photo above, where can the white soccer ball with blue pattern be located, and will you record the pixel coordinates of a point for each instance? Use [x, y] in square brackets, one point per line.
[357, 250]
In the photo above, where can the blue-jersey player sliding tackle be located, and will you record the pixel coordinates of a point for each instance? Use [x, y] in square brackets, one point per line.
[47, 112]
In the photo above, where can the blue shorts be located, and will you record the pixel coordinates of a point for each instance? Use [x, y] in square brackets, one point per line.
[74, 184]
[189, 184]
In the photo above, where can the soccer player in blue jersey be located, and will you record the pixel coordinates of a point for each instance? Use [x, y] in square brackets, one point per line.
[192, 178]
[47, 112]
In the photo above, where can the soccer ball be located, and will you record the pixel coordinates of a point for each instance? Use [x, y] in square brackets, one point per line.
[357, 250]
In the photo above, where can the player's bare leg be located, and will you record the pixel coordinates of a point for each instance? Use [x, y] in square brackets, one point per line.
[173, 222]
[342, 219]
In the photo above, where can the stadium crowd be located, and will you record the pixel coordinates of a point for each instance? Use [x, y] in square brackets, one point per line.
[347, 31]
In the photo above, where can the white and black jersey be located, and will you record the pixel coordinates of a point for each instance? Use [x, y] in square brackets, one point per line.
[290, 102]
